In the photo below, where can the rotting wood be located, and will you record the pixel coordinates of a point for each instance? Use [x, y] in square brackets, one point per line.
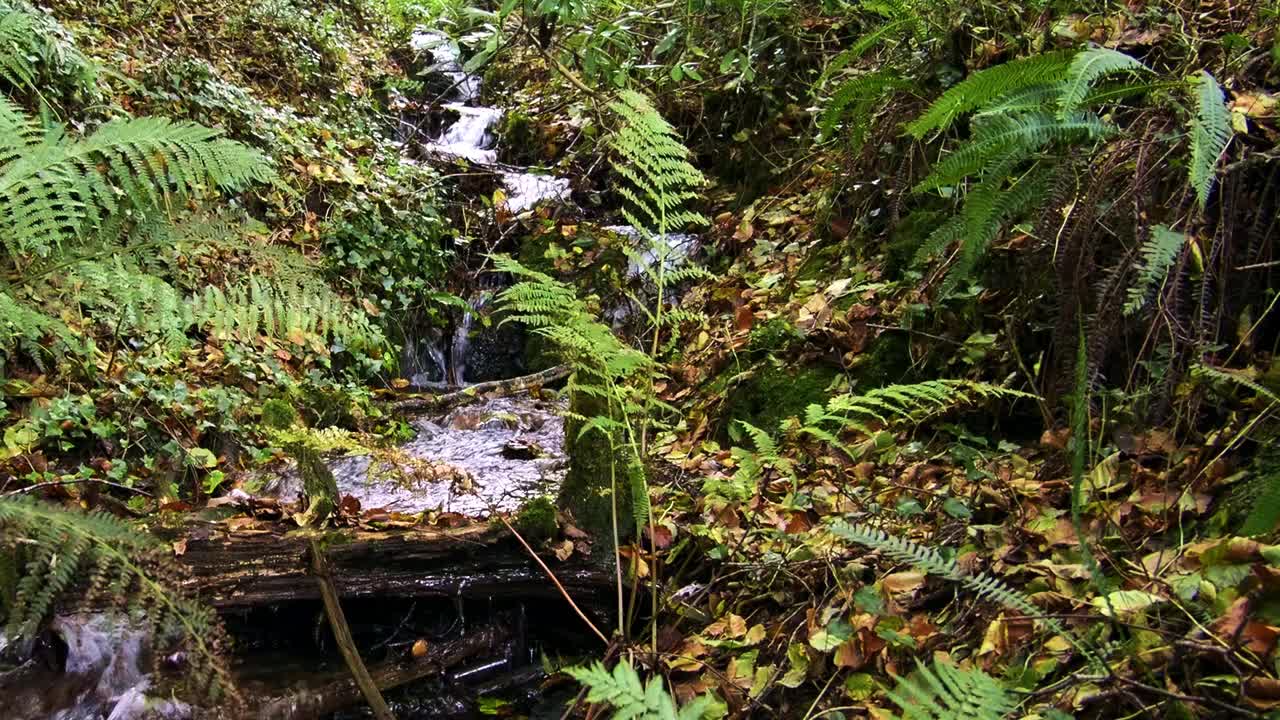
[342, 634]
[327, 696]
[495, 388]
[261, 566]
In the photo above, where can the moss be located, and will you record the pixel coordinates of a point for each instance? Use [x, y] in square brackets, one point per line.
[818, 265]
[776, 392]
[279, 414]
[587, 489]
[536, 521]
[533, 253]
[319, 487]
[887, 363]
[773, 336]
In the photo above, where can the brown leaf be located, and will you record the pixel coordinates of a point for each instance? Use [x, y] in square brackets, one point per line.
[563, 550]
[1262, 692]
[180, 547]
[419, 649]
[743, 318]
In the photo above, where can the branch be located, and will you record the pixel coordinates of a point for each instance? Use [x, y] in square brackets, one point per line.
[497, 388]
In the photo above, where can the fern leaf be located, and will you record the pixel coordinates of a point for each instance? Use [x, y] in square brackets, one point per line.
[1087, 68]
[1210, 133]
[1009, 137]
[1157, 255]
[987, 85]
[946, 692]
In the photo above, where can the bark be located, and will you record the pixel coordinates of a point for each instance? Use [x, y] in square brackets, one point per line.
[249, 567]
[495, 388]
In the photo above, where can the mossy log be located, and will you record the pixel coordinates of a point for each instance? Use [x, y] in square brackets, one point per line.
[597, 467]
[253, 567]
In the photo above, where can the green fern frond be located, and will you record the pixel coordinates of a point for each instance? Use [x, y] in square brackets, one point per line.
[932, 562]
[631, 698]
[853, 100]
[17, 30]
[660, 180]
[986, 85]
[946, 692]
[54, 190]
[1157, 255]
[1087, 68]
[1004, 137]
[1210, 133]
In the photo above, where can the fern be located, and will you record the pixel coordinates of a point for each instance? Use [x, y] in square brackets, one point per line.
[1264, 510]
[1210, 133]
[946, 692]
[1006, 136]
[660, 180]
[102, 559]
[1157, 255]
[31, 41]
[1088, 67]
[910, 402]
[55, 190]
[853, 100]
[987, 85]
[631, 698]
[285, 312]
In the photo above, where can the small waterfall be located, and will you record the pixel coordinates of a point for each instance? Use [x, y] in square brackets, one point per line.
[461, 347]
[105, 675]
[469, 137]
[446, 60]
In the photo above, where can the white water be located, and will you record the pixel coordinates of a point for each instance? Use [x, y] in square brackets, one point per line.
[482, 450]
[105, 676]
[469, 137]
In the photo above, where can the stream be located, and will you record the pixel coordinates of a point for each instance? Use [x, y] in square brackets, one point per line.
[489, 456]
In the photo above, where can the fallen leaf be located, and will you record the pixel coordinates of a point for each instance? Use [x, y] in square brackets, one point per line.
[419, 648]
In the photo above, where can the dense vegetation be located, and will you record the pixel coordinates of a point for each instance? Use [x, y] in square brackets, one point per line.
[962, 409]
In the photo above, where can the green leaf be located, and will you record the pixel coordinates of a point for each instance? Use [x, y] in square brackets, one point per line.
[957, 509]
[1124, 603]
[830, 637]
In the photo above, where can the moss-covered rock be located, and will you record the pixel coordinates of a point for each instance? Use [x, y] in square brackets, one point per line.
[774, 336]
[776, 392]
[536, 521]
[594, 467]
[319, 487]
[279, 414]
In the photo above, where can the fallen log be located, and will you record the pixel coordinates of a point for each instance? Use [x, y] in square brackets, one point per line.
[494, 388]
[240, 568]
[323, 696]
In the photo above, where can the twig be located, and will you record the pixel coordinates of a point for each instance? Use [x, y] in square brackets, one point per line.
[555, 580]
[472, 392]
[342, 633]
[77, 481]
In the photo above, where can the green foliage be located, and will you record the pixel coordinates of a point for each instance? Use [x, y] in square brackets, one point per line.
[56, 191]
[95, 557]
[931, 561]
[279, 414]
[986, 86]
[660, 181]
[906, 403]
[943, 691]
[1210, 133]
[1089, 66]
[36, 51]
[1156, 256]
[630, 697]
[283, 312]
